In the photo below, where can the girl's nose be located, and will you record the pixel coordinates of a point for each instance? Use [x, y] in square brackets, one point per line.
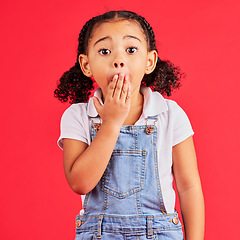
[118, 64]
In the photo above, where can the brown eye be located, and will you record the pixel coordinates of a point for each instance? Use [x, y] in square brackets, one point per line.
[131, 50]
[104, 51]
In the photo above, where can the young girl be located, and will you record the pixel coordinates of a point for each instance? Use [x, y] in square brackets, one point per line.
[123, 146]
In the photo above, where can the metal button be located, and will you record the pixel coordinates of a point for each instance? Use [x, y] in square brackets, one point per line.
[97, 126]
[78, 223]
[175, 220]
[81, 212]
[149, 129]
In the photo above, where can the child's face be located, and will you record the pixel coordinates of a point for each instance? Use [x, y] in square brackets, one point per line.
[117, 47]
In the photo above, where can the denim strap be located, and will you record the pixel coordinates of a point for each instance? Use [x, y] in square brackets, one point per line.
[99, 227]
[149, 227]
[155, 117]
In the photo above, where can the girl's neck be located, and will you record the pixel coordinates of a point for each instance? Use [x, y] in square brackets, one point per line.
[136, 99]
[136, 108]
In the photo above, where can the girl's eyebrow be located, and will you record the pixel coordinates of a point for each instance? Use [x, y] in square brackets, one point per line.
[131, 36]
[101, 39]
[109, 38]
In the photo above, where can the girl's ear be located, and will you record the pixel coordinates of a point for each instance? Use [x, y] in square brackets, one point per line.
[151, 61]
[84, 64]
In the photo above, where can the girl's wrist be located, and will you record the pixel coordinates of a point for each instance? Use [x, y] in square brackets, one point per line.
[111, 125]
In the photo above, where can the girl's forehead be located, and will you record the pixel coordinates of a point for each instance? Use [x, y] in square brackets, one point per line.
[119, 26]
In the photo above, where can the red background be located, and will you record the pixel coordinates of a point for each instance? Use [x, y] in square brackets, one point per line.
[38, 43]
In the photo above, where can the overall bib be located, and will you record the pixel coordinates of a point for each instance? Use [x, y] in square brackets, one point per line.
[127, 202]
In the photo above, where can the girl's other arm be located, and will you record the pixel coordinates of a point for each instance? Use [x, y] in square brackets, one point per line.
[84, 165]
[189, 189]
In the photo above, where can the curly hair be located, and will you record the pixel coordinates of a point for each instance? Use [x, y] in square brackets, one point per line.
[75, 86]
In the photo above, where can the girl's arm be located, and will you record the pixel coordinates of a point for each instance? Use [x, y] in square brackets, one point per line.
[84, 165]
[189, 189]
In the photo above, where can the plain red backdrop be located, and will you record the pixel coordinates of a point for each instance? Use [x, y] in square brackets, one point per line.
[38, 43]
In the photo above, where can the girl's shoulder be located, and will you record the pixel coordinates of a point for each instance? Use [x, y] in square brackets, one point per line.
[175, 111]
[178, 121]
[171, 105]
[75, 111]
[74, 124]
[77, 107]
[156, 103]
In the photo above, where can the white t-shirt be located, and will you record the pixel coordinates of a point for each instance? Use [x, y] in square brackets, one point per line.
[173, 127]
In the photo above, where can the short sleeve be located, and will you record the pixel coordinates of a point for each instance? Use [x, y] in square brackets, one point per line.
[73, 124]
[182, 128]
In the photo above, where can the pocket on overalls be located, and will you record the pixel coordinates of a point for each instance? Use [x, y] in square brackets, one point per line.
[125, 173]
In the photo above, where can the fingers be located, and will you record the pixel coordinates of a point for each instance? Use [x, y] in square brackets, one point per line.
[125, 90]
[119, 87]
[112, 86]
[128, 97]
[117, 100]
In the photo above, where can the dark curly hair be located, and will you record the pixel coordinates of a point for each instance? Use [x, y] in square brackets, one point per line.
[75, 86]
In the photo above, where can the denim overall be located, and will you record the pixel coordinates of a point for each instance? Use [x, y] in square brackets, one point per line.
[127, 202]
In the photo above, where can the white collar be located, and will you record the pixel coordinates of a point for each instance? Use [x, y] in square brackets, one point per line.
[154, 103]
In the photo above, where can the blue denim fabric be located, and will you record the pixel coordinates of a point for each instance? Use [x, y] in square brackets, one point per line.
[127, 202]
[128, 227]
